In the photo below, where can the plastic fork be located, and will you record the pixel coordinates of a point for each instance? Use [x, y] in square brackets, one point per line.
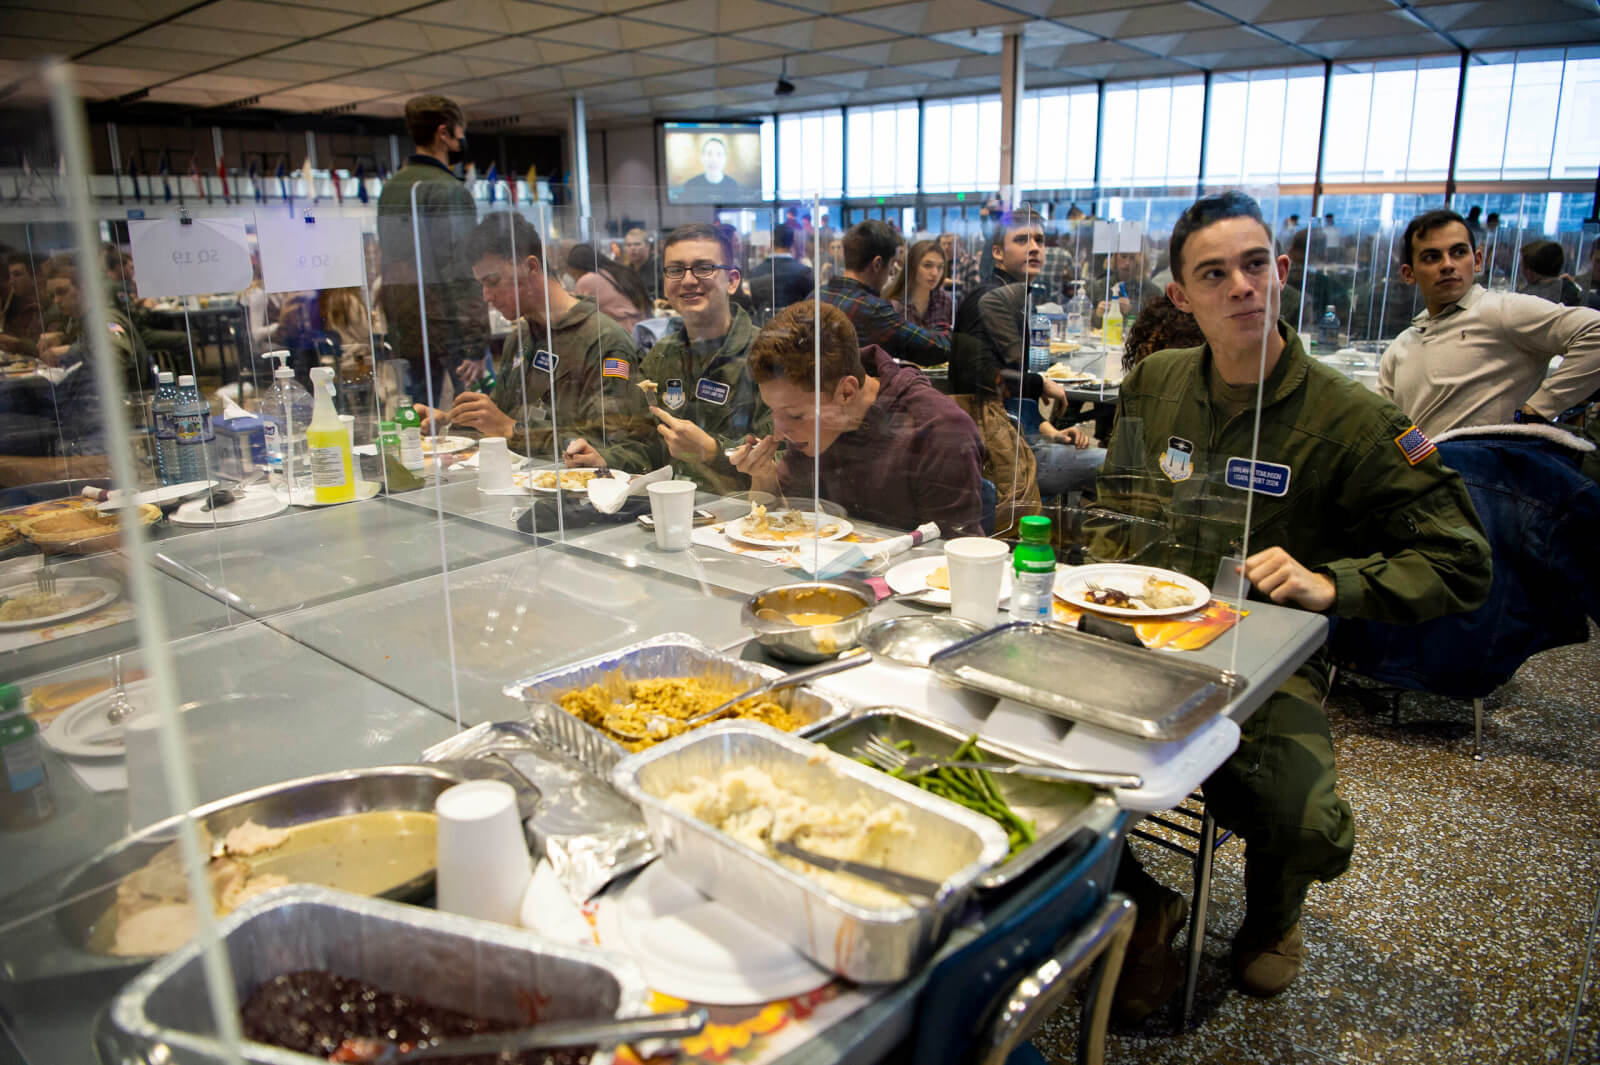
[886, 756]
[46, 576]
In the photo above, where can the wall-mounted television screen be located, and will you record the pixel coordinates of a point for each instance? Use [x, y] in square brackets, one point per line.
[712, 162]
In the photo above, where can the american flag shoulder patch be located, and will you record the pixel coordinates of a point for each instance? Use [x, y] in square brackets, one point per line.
[614, 368]
[1414, 445]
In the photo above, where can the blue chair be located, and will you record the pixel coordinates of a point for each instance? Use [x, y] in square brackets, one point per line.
[990, 497]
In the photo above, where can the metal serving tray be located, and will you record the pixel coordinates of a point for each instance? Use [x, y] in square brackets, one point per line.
[1057, 810]
[950, 844]
[56, 943]
[488, 969]
[1085, 678]
[674, 654]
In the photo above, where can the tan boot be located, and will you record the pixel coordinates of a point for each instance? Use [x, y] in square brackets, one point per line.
[1151, 970]
[1265, 969]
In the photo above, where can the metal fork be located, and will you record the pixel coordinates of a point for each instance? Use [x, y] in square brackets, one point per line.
[46, 576]
[886, 756]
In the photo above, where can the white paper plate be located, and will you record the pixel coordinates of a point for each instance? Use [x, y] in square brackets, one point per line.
[166, 494]
[1073, 583]
[912, 576]
[73, 729]
[251, 504]
[306, 496]
[735, 531]
[525, 480]
[446, 445]
[105, 590]
[695, 949]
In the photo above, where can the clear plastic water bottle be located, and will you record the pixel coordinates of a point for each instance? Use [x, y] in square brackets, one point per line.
[1038, 342]
[1077, 312]
[161, 408]
[285, 413]
[1033, 577]
[191, 421]
[1329, 329]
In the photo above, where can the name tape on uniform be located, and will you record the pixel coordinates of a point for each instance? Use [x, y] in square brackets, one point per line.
[545, 361]
[1270, 479]
[712, 391]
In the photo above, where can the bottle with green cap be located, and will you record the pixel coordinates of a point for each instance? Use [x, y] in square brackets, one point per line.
[1033, 565]
[24, 790]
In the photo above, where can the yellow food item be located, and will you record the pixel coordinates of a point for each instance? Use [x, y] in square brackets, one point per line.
[250, 838]
[783, 525]
[678, 698]
[756, 808]
[940, 578]
[30, 605]
[813, 619]
[569, 480]
[1163, 595]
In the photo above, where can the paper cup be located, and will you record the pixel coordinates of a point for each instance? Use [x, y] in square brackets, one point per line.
[494, 465]
[672, 509]
[483, 855]
[977, 571]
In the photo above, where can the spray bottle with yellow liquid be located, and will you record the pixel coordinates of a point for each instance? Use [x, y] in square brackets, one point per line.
[332, 474]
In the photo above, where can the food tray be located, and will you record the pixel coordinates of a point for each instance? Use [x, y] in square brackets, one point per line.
[451, 961]
[674, 654]
[950, 844]
[1126, 689]
[56, 942]
[1058, 810]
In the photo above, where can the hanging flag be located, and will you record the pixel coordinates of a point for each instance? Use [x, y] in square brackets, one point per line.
[493, 176]
[283, 182]
[533, 184]
[166, 185]
[338, 187]
[200, 189]
[310, 180]
[361, 182]
[255, 180]
[133, 172]
[511, 189]
[222, 176]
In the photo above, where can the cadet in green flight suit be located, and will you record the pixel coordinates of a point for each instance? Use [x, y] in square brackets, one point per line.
[582, 356]
[1353, 515]
[705, 399]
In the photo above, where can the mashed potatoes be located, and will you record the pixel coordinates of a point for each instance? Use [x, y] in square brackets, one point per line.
[754, 808]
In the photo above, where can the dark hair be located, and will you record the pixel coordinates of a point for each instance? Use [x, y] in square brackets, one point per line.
[1208, 211]
[1474, 211]
[425, 114]
[869, 240]
[901, 281]
[1493, 216]
[1426, 223]
[786, 348]
[1159, 326]
[783, 236]
[24, 260]
[702, 231]
[584, 259]
[1543, 257]
[1026, 218]
[508, 236]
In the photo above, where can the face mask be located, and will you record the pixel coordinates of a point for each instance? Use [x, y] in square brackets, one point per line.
[458, 154]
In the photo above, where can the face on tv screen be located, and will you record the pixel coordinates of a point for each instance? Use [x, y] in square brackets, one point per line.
[712, 162]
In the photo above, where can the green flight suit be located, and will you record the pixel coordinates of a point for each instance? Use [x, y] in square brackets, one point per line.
[595, 377]
[727, 406]
[1351, 490]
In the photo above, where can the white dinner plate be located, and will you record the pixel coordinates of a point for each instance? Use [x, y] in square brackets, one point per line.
[695, 949]
[525, 480]
[306, 496]
[75, 729]
[1073, 583]
[104, 590]
[912, 576]
[735, 531]
[446, 445]
[170, 493]
[250, 504]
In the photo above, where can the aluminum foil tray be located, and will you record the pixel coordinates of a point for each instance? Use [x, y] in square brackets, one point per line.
[949, 844]
[590, 834]
[1057, 810]
[1085, 678]
[674, 654]
[456, 962]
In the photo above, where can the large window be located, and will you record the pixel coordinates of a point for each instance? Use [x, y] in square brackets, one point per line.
[1533, 114]
[1263, 126]
[883, 150]
[1391, 120]
[1055, 138]
[811, 155]
[1152, 132]
[961, 145]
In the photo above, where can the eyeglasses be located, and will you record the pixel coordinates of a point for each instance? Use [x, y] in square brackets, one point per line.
[704, 271]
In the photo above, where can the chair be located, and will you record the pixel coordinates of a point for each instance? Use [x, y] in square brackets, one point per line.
[990, 498]
[1193, 821]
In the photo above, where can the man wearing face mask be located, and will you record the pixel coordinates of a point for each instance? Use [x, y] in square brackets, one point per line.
[448, 310]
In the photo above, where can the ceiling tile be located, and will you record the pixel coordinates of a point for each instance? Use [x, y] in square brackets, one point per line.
[252, 14]
[62, 26]
[162, 59]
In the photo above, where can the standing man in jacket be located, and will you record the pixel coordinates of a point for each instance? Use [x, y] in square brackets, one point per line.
[780, 279]
[424, 216]
[1350, 513]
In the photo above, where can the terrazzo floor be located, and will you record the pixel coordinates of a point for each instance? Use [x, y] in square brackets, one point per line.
[1460, 932]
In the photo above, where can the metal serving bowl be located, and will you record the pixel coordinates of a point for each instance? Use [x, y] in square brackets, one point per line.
[766, 614]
